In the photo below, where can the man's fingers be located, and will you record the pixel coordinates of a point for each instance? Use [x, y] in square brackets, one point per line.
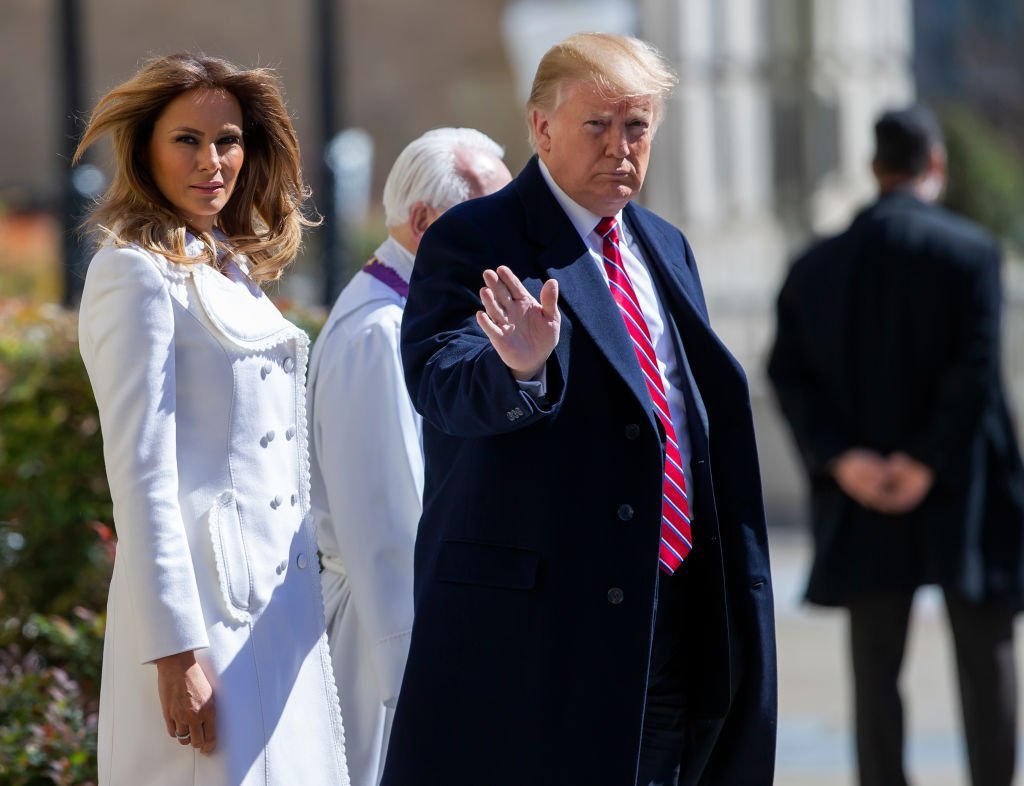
[549, 298]
[491, 330]
[182, 734]
[493, 308]
[498, 286]
[512, 283]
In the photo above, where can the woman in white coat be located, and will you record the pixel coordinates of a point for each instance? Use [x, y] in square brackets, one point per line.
[216, 670]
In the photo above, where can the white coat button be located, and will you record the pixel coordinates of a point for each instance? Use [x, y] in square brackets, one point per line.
[275, 503]
[301, 561]
[289, 364]
[267, 368]
[289, 432]
[295, 499]
[282, 567]
[270, 435]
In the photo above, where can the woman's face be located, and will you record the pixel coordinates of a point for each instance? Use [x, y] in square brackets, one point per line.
[196, 153]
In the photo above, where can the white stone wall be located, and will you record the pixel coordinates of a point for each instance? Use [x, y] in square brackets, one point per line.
[766, 142]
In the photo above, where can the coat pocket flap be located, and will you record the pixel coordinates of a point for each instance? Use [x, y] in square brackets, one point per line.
[487, 565]
[230, 554]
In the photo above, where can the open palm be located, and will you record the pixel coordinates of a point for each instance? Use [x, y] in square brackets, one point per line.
[522, 330]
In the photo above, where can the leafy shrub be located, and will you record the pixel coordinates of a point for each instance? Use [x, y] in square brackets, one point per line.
[53, 490]
[49, 677]
[986, 174]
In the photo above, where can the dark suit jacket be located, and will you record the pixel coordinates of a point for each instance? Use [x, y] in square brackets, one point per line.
[523, 670]
[888, 338]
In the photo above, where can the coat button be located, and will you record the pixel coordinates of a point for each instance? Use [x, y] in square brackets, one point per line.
[289, 432]
[282, 567]
[625, 512]
[300, 561]
[616, 596]
[275, 503]
[295, 500]
[267, 368]
[289, 364]
[632, 431]
[271, 435]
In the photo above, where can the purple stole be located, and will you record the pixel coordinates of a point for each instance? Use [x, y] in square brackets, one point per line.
[387, 275]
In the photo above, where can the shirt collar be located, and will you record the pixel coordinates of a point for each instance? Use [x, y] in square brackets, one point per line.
[396, 256]
[582, 219]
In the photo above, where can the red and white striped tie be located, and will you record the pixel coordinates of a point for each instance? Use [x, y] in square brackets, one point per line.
[676, 540]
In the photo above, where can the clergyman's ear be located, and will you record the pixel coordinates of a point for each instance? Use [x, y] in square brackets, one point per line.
[421, 216]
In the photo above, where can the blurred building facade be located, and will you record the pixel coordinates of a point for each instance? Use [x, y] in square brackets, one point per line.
[766, 142]
[401, 68]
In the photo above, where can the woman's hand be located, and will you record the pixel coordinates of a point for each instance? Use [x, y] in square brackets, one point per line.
[186, 698]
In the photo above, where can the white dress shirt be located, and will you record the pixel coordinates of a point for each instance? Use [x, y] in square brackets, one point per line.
[672, 376]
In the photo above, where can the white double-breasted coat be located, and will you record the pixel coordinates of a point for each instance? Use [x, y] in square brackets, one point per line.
[201, 393]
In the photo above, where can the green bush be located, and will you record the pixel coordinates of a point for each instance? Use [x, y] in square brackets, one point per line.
[986, 173]
[56, 552]
[53, 489]
[49, 683]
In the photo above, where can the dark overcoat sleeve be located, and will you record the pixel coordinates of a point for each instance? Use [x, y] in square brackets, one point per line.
[970, 380]
[800, 386]
[456, 379]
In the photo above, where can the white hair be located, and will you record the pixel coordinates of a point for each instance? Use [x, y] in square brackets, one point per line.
[427, 171]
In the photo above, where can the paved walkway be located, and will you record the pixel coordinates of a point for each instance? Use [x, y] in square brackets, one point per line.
[815, 744]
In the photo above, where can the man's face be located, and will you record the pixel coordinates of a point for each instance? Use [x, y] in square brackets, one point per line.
[596, 150]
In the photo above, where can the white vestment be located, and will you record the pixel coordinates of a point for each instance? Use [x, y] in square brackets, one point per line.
[367, 485]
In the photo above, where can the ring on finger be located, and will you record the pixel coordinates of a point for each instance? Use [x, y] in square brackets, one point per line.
[186, 736]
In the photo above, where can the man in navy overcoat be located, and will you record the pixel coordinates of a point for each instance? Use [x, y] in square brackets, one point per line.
[562, 635]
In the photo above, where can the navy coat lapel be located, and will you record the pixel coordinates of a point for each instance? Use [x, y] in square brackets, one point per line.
[658, 249]
[685, 299]
[582, 289]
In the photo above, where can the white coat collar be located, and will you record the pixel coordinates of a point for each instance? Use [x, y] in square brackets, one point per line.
[237, 306]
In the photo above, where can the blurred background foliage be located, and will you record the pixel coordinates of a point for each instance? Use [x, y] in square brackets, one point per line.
[986, 180]
[56, 550]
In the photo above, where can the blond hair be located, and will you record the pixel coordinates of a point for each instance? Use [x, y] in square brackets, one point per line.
[618, 67]
[263, 218]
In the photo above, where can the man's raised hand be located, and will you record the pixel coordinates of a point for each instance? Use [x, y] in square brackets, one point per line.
[522, 330]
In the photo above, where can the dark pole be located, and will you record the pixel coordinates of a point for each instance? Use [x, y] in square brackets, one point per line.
[73, 202]
[327, 30]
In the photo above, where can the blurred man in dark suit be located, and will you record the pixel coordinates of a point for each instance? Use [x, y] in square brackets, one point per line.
[886, 365]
